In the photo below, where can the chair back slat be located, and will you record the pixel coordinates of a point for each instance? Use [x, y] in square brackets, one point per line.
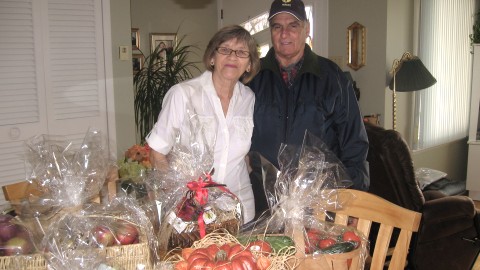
[381, 246]
[341, 219]
[401, 250]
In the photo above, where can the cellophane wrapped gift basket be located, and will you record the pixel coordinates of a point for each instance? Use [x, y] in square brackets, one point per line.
[118, 235]
[190, 203]
[70, 228]
[301, 200]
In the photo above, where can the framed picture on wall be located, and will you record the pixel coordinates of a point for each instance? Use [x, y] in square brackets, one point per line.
[135, 39]
[162, 40]
[137, 62]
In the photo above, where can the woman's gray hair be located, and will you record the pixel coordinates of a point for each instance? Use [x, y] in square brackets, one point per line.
[240, 34]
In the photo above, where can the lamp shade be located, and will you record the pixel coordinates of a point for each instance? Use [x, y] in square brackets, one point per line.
[411, 75]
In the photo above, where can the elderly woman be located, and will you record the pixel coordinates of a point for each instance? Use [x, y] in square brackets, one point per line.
[224, 104]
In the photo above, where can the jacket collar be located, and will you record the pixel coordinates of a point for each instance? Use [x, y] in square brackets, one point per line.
[310, 62]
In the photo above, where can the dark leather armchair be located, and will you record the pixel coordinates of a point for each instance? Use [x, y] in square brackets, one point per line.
[449, 230]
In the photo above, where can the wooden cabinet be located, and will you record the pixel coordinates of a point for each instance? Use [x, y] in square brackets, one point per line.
[473, 169]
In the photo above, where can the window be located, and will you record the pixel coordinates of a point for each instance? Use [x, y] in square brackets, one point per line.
[444, 47]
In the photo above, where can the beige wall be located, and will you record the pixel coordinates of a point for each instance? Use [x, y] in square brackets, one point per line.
[122, 76]
[450, 158]
[370, 78]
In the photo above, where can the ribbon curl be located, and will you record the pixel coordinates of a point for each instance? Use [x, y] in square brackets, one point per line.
[199, 189]
[201, 197]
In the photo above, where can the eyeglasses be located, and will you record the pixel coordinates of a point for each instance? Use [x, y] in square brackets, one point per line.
[238, 53]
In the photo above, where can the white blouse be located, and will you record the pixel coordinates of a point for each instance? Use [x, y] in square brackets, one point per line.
[231, 133]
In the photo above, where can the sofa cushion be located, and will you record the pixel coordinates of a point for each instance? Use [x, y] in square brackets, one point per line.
[448, 187]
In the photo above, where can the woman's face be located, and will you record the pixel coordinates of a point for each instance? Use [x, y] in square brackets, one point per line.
[230, 66]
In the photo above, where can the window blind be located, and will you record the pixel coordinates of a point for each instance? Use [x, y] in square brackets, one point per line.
[444, 47]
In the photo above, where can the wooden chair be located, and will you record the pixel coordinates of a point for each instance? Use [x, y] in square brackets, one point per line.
[19, 191]
[368, 208]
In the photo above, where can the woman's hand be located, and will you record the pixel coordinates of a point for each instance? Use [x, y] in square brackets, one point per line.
[158, 160]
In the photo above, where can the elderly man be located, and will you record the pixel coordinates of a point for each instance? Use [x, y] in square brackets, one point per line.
[297, 90]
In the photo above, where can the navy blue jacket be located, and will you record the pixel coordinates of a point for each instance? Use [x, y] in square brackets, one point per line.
[322, 101]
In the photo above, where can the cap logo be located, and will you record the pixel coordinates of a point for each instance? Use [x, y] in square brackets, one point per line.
[286, 1]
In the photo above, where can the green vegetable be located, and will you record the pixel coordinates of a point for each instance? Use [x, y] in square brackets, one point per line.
[132, 170]
[279, 241]
[341, 247]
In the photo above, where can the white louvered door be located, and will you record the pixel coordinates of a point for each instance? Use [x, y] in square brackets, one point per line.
[52, 75]
[75, 79]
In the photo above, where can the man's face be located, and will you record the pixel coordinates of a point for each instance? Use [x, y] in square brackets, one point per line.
[288, 37]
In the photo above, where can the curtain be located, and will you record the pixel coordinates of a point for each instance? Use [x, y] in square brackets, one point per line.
[442, 111]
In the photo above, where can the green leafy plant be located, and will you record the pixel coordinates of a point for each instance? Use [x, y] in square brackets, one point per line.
[475, 36]
[163, 68]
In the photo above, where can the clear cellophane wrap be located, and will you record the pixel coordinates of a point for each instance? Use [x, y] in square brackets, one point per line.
[62, 177]
[63, 209]
[118, 235]
[300, 194]
[65, 174]
[189, 203]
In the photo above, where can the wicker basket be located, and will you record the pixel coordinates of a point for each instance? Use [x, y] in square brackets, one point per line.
[184, 240]
[129, 257]
[126, 257]
[24, 262]
[340, 261]
[181, 225]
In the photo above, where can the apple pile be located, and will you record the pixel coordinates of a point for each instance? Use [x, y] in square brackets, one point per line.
[119, 232]
[14, 238]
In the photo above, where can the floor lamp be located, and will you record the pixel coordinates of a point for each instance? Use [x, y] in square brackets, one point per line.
[409, 74]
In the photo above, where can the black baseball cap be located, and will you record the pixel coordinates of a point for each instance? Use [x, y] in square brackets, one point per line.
[293, 7]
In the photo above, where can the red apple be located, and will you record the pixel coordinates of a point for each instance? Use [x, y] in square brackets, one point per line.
[17, 246]
[126, 233]
[103, 236]
[7, 230]
[5, 218]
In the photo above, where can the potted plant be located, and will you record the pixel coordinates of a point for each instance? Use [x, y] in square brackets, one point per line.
[475, 36]
[163, 68]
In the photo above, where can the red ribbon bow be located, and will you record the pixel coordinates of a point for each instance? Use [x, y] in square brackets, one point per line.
[199, 189]
[201, 196]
